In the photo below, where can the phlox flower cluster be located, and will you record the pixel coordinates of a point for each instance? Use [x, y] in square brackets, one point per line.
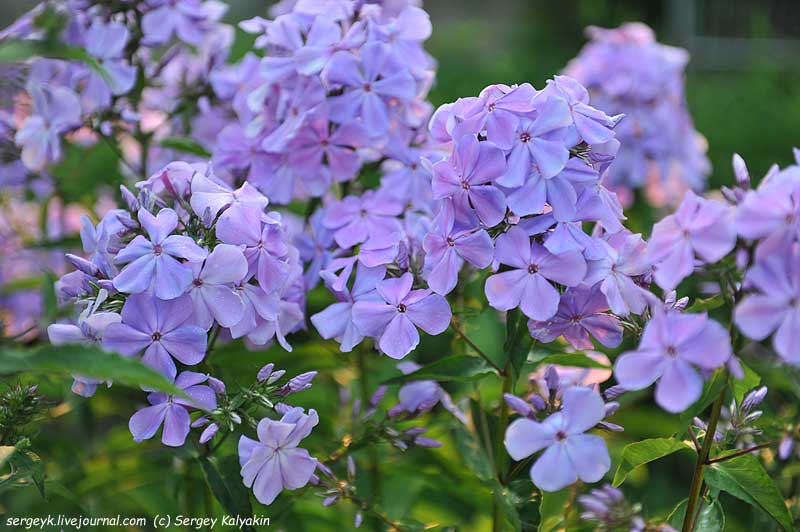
[627, 71]
[189, 259]
[340, 85]
[170, 45]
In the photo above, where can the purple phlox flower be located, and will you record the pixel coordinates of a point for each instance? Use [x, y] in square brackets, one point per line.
[563, 237]
[274, 462]
[89, 330]
[258, 305]
[626, 259]
[298, 383]
[184, 18]
[771, 213]
[106, 42]
[173, 411]
[527, 285]
[153, 263]
[672, 345]
[55, 111]
[446, 249]
[382, 249]
[174, 179]
[336, 321]
[372, 85]
[582, 312]
[407, 175]
[607, 509]
[497, 111]
[159, 328]
[264, 244]
[466, 177]
[538, 142]
[393, 322]
[520, 406]
[314, 246]
[355, 218]
[213, 297]
[289, 318]
[97, 241]
[210, 195]
[774, 304]
[318, 148]
[418, 397]
[699, 227]
[405, 33]
[560, 191]
[570, 453]
[591, 125]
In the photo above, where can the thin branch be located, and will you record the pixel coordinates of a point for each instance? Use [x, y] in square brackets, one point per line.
[459, 331]
[738, 453]
[694, 439]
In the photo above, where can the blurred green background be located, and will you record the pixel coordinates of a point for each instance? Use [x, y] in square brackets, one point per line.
[743, 88]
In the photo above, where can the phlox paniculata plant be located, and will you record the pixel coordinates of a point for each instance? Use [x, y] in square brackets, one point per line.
[308, 193]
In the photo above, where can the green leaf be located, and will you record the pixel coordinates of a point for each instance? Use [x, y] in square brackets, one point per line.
[552, 509]
[225, 480]
[185, 145]
[575, 360]
[711, 390]
[642, 452]
[745, 478]
[742, 386]
[17, 50]
[709, 303]
[88, 361]
[451, 368]
[473, 453]
[518, 340]
[710, 519]
[504, 502]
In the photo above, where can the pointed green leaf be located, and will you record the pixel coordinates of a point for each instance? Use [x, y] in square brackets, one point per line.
[518, 340]
[88, 361]
[710, 519]
[185, 145]
[643, 452]
[745, 478]
[452, 368]
[225, 480]
[575, 360]
[552, 509]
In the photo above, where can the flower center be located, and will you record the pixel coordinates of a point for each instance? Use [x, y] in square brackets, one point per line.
[401, 307]
[561, 435]
[533, 268]
[524, 136]
[157, 250]
[367, 87]
[198, 282]
[465, 185]
[450, 241]
[363, 213]
[492, 107]
[156, 336]
[671, 351]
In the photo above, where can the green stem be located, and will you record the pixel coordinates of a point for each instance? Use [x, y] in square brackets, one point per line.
[702, 461]
[374, 467]
[499, 451]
